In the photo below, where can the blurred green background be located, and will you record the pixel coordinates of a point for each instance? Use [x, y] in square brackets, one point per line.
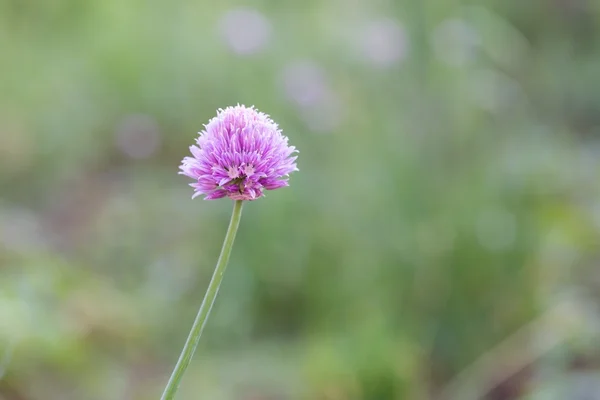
[441, 240]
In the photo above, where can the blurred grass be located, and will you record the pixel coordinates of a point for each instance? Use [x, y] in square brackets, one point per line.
[447, 197]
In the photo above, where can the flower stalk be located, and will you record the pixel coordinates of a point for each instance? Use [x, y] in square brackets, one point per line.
[209, 298]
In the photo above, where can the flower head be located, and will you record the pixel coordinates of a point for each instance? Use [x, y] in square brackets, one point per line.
[239, 153]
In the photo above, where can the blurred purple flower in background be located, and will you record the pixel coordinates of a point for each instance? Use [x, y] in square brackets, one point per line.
[138, 136]
[245, 30]
[383, 42]
[240, 153]
[325, 118]
[306, 85]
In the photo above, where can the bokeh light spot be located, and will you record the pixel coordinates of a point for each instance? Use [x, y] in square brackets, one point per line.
[138, 136]
[245, 30]
[383, 42]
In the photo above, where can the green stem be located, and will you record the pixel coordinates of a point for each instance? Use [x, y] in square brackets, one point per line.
[209, 298]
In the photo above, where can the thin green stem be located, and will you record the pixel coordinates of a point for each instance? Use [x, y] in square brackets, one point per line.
[209, 298]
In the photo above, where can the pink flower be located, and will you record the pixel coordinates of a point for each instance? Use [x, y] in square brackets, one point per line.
[240, 153]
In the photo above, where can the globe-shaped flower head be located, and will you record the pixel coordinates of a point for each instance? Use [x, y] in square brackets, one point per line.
[239, 153]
